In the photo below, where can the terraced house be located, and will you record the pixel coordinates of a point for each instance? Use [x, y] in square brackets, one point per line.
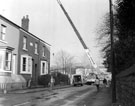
[23, 56]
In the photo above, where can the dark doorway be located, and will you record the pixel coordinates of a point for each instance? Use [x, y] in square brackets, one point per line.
[35, 74]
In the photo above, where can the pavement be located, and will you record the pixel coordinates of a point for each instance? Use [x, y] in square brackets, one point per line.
[102, 97]
[39, 89]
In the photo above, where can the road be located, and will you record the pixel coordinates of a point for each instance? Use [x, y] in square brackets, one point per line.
[73, 96]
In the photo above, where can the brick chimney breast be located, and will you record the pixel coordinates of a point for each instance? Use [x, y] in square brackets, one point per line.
[25, 23]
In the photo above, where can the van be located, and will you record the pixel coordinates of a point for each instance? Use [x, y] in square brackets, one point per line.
[77, 80]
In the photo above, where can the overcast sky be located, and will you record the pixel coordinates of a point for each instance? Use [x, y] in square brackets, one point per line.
[48, 22]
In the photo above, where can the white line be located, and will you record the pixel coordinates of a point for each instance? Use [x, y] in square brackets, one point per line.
[22, 104]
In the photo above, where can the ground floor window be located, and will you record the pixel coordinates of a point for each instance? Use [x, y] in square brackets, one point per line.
[44, 68]
[26, 64]
[8, 60]
[1, 60]
[14, 63]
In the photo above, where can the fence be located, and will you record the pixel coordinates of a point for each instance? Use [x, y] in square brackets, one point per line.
[4, 87]
[125, 87]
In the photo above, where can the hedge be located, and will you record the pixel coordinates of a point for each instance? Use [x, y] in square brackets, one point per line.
[60, 79]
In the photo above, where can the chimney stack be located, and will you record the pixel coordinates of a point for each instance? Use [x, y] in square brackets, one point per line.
[25, 23]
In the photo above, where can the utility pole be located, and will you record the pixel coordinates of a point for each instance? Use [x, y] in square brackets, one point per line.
[112, 54]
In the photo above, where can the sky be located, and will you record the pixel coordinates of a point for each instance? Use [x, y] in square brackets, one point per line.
[48, 22]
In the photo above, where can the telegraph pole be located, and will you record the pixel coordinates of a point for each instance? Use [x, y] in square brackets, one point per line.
[112, 54]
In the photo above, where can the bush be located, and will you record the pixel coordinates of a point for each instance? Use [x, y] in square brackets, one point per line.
[44, 79]
[60, 78]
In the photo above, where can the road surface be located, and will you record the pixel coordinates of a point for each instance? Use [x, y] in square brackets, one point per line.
[73, 96]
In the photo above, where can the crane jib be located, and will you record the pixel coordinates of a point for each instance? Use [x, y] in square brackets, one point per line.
[72, 24]
[78, 34]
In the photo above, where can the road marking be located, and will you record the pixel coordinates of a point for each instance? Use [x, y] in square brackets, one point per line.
[22, 104]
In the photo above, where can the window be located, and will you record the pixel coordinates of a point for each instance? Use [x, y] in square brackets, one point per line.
[44, 67]
[43, 51]
[13, 63]
[29, 64]
[3, 32]
[8, 61]
[1, 61]
[36, 48]
[25, 43]
[26, 64]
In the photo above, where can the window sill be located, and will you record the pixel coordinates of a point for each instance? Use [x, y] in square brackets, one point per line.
[25, 73]
[25, 49]
[44, 56]
[3, 41]
[43, 73]
[1, 70]
[36, 53]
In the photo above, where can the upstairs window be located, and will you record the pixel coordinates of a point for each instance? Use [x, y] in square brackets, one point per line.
[3, 32]
[25, 43]
[36, 48]
[43, 51]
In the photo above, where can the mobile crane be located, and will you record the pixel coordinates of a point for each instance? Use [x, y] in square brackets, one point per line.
[78, 35]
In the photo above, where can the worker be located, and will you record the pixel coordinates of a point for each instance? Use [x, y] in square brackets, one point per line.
[97, 82]
[105, 82]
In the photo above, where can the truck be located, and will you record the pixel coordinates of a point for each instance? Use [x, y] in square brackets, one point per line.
[77, 79]
[90, 79]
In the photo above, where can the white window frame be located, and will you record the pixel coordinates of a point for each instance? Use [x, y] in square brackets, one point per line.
[36, 48]
[2, 59]
[24, 43]
[8, 60]
[45, 68]
[43, 51]
[1, 63]
[14, 63]
[3, 32]
[28, 64]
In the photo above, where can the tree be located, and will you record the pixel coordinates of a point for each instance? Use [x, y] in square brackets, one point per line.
[104, 39]
[64, 60]
[124, 34]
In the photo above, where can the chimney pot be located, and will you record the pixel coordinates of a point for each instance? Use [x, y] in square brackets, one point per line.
[27, 16]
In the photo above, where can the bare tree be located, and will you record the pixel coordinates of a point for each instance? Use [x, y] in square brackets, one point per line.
[64, 61]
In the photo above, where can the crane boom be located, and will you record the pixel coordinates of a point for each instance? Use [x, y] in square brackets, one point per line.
[78, 35]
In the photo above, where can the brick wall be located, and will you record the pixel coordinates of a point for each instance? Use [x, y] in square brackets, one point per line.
[125, 87]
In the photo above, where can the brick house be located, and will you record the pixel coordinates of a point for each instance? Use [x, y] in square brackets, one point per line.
[23, 56]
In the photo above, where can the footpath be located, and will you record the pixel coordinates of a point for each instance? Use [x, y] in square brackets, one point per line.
[30, 90]
[102, 97]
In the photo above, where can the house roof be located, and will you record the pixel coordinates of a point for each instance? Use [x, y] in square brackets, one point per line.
[2, 17]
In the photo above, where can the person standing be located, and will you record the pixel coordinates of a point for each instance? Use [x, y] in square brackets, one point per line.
[97, 82]
[105, 82]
